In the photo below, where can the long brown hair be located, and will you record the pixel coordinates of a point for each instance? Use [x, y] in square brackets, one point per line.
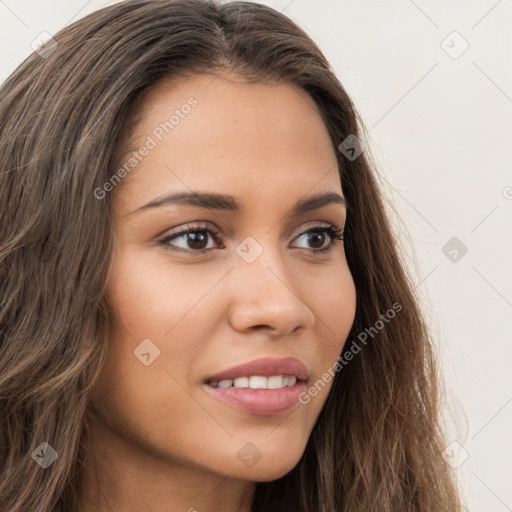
[377, 444]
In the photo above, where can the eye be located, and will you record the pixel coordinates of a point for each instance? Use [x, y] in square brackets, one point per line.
[195, 238]
[317, 235]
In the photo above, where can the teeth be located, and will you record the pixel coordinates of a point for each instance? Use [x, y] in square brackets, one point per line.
[276, 382]
[241, 382]
[257, 382]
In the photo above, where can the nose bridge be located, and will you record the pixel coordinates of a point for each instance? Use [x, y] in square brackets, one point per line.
[259, 261]
[263, 294]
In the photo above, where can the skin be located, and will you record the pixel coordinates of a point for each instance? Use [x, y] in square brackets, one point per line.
[158, 441]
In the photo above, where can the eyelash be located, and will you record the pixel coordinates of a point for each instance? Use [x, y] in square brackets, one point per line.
[333, 232]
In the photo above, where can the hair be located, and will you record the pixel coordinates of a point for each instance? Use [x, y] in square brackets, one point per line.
[378, 440]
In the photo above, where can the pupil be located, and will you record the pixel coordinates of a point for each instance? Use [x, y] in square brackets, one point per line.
[197, 238]
[319, 237]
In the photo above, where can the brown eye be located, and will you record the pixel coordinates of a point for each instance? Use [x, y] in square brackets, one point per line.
[317, 237]
[192, 239]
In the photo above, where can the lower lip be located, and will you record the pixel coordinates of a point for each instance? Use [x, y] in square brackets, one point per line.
[261, 402]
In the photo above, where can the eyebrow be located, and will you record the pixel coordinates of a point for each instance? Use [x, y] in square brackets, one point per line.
[229, 203]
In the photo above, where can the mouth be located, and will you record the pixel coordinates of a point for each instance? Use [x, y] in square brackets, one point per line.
[256, 382]
[262, 387]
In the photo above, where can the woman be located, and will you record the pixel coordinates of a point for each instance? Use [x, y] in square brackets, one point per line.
[203, 304]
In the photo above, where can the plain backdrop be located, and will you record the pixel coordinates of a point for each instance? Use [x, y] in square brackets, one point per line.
[433, 84]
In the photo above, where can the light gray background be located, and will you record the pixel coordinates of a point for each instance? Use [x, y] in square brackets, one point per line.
[440, 130]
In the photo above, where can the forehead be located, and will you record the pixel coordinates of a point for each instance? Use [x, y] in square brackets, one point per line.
[226, 135]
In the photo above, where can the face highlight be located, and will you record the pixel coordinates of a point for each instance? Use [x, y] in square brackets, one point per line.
[227, 250]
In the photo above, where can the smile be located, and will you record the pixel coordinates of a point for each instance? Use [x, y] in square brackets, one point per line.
[257, 382]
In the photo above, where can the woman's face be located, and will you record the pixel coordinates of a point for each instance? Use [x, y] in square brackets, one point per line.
[247, 282]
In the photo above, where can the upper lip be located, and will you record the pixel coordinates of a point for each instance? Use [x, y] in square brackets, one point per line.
[264, 367]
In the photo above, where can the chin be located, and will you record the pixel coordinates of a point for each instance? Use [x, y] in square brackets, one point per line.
[269, 468]
[273, 474]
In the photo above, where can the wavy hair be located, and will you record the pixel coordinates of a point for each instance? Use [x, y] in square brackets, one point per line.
[377, 443]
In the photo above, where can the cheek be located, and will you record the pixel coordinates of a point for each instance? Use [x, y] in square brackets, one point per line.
[334, 305]
[149, 296]
[142, 389]
[146, 356]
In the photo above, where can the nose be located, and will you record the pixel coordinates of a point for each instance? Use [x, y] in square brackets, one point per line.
[265, 298]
